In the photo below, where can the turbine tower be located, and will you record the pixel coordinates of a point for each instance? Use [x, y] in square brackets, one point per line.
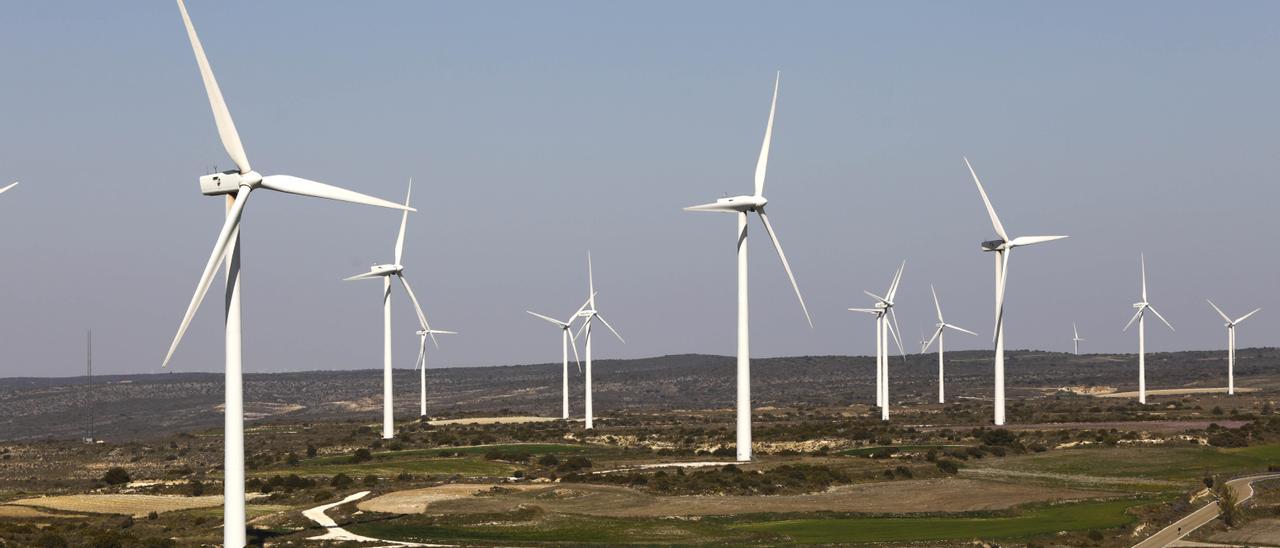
[883, 310]
[940, 335]
[1140, 317]
[567, 340]
[1231, 344]
[1002, 249]
[589, 314]
[742, 206]
[386, 272]
[1075, 338]
[421, 364]
[236, 185]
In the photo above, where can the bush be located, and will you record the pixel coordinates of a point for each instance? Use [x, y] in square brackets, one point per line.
[322, 495]
[370, 480]
[116, 476]
[292, 459]
[1096, 535]
[948, 466]
[197, 488]
[361, 455]
[50, 539]
[549, 460]
[311, 450]
[508, 456]
[341, 481]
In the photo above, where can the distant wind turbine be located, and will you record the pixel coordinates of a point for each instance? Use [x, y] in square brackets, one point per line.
[1002, 248]
[236, 185]
[1231, 344]
[567, 340]
[421, 364]
[742, 206]
[940, 335]
[386, 272]
[883, 310]
[589, 314]
[1140, 316]
[1075, 338]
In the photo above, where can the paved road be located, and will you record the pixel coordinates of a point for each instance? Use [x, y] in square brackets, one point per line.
[1243, 488]
[334, 532]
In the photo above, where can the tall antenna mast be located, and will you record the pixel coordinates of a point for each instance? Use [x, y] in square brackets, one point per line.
[89, 371]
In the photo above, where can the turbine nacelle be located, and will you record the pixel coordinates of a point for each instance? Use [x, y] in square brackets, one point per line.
[228, 182]
[1139, 305]
[995, 245]
[737, 204]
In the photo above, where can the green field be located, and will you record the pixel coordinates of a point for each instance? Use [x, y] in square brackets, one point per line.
[868, 451]
[534, 526]
[1156, 462]
[1028, 523]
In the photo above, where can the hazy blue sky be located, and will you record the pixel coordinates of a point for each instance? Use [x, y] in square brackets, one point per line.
[536, 131]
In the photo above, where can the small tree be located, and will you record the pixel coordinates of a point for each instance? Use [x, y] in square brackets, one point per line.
[292, 459]
[341, 481]
[361, 455]
[116, 476]
[1228, 504]
[311, 451]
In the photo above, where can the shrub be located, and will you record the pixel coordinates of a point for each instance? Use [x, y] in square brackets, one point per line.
[116, 476]
[361, 455]
[370, 480]
[322, 495]
[1096, 535]
[549, 460]
[341, 481]
[948, 466]
[292, 459]
[50, 539]
[197, 488]
[311, 450]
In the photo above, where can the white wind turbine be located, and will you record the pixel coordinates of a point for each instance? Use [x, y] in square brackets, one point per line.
[1075, 338]
[421, 364]
[8, 186]
[236, 185]
[589, 314]
[742, 206]
[883, 310]
[567, 340]
[1140, 317]
[386, 272]
[1002, 249]
[1231, 344]
[940, 335]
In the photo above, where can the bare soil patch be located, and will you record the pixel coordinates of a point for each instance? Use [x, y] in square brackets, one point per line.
[492, 420]
[133, 505]
[932, 495]
[1176, 392]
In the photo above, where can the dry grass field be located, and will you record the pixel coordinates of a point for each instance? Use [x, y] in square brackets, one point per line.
[130, 505]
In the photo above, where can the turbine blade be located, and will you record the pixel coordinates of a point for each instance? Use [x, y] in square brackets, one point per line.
[573, 342]
[364, 276]
[422, 351]
[1004, 282]
[305, 187]
[894, 330]
[960, 329]
[867, 310]
[591, 282]
[1075, 333]
[1246, 316]
[404, 220]
[876, 297]
[762, 163]
[221, 115]
[615, 331]
[11, 185]
[773, 237]
[926, 345]
[422, 316]
[1031, 240]
[1133, 319]
[714, 206]
[1157, 313]
[230, 229]
[936, 305]
[1219, 311]
[897, 278]
[552, 320]
[1143, 259]
[991, 211]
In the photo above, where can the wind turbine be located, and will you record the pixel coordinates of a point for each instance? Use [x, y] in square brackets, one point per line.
[742, 206]
[1075, 338]
[421, 364]
[9, 186]
[589, 314]
[1002, 249]
[883, 310]
[236, 185]
[1140, 317]
[567, 340]
[386, 272]
[940, 335]
[1231, 344]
